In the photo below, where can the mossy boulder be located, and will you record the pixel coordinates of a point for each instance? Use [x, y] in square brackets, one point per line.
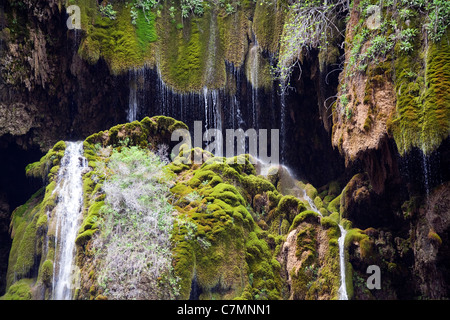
[289, 207]
[43, 168]
[20, 290]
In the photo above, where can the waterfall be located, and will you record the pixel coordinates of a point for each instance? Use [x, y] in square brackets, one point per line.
[425, 173]
[254, 75]
[213, 114]
[67, 213]
[283, 124]
[289, 186]
[233, 102]
[341, 242]
[132, 100]
[136, 80]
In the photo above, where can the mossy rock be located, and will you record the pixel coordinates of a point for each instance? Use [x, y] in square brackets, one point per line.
[335, 204]
[305, 216]
[20, 290]
[422, 111]
[43, 168]
[311, 192]
[46, 272]
[289, 206]
[257, 184]
[318, 202]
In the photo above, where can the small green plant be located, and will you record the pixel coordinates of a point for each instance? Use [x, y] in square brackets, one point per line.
[194, 196]
[146, 6]
[344, 100]
[195, 6]
[309, 24]
[405, 13]
[108, 11]
[133, 244]
[172, 11]
[134, 15]
[348, 113]
[439, 16]
[380, 46]
[406, 46]
[406, 37]
[205, 244]
[229, 9]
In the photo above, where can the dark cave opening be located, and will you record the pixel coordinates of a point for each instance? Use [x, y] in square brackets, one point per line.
[310, 152]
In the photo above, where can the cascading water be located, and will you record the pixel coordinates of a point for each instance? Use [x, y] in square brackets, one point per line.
[283, 125]
[67, 214]
[136, 81]
[254, 77]
[213, 114]
[132, 100]
[341, 241]
[289, 186]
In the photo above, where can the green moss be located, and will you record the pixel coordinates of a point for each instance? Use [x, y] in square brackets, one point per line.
[231, 30]
[28, 224]
[59, 146]
[227, 193]
[42, 222]
[333, 188]
[268, 25]
[423, 108]
[84, 237]
[355, 235]
[46, 272]
[257, 184]
[367, 250]
[334, 205]
[26, 252]
[42, 168]
[284, 228]
[192, 57]
[90, 221]
[189, 52]
[188, 67]
[436, 114]
[318, 275]
[274, 198]
[311, 191]
[289, 207]
[306, 241]
[307, 215]
[432, 235]
[21, 290]
[318, 202]
[328, 222]
[145, 29]
[222, 216]
[368, 123]
[120, 43]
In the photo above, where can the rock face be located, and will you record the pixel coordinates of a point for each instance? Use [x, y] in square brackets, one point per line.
[378, 155]
[430, 250]
[227, 237]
